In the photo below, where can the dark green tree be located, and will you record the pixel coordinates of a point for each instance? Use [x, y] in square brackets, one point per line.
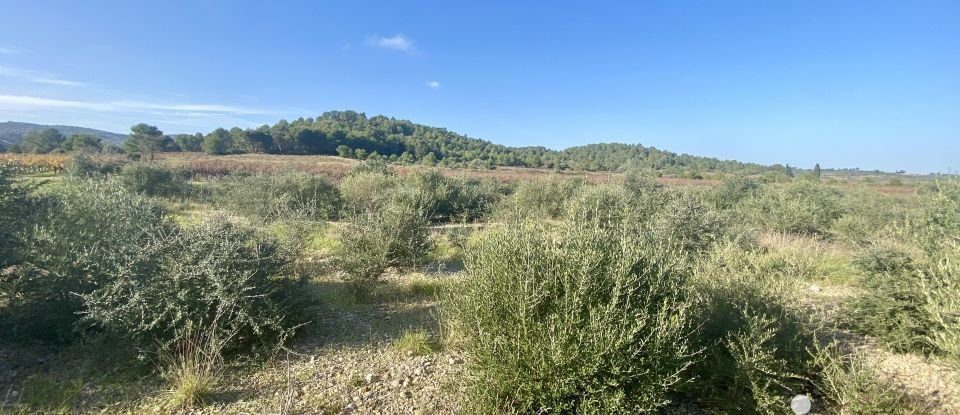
[218, 142]
[41, 142]
[144, 139]
[82, 142]
[189, 142]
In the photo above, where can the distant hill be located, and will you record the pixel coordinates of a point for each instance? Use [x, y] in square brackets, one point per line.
[11, 132]
[355, 135]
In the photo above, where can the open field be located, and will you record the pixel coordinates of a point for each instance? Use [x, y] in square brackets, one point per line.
[310, 284]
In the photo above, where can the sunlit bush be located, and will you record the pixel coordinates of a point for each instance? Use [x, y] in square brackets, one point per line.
[572, 320]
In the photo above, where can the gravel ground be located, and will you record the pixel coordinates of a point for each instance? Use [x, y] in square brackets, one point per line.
[933, 382]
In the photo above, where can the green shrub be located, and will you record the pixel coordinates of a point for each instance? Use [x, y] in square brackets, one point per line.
[371, 166]
[155, 180]
[542, 198]
[86, 231]
[367, 191]
[456, 199]
[218, 276]
[941, 289]
[892, 307]
[395, 234]
[883, 258]
[801, 207]
[647, 196]
[852, 385]
[732, 190]
[278, 196]
[16, 209]
[869, 215]
[572, 320]
[938, 221]
[754, 333]
[688, 224]
[606, 205]
[82, 165]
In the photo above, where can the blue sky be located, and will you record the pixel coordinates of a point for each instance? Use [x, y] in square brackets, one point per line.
[869, 84]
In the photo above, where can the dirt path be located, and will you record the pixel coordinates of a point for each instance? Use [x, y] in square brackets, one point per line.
[924, 378]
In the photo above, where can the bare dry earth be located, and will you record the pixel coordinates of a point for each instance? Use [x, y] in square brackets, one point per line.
[932, 382]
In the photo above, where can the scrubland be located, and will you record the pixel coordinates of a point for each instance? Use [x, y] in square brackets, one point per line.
[183, 287]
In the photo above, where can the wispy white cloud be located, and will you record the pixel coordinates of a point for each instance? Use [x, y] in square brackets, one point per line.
[8, 51]
[179, 109]
[433, 84]
[37, 77]
[395, 42]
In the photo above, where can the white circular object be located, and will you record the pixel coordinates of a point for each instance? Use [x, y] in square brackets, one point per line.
[801, 404]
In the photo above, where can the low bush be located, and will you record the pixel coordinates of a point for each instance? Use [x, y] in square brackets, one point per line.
[869, 215]
[605, 205]
[155, 180]
[571, 320]
[395, 234]
[16, 210]
[367, 191]
[801, 207]
[85, 232]
[688, 224]
[83, 165]
[217, 277]
[892, 307]
[456, 199]
[852, 385]
[541, 198]
[278, 196]
[941, 289]
[732, 190]
[754, 333]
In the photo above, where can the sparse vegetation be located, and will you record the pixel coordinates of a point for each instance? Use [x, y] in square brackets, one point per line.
[552, 295]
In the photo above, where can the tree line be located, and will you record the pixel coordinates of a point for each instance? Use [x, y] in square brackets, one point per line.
[352, 134]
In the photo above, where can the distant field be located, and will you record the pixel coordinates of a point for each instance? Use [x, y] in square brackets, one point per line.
[335, 167]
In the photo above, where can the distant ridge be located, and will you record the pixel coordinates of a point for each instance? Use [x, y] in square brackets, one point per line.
[11, 132]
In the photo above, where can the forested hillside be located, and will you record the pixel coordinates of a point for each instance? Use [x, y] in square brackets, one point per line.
[353, 134]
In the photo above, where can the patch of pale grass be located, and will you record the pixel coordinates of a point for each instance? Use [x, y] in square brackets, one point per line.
[194, 369]
[416, 342]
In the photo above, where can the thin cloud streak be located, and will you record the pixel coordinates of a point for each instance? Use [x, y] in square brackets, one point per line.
[8, 51]
[21, 101]
[37, 77]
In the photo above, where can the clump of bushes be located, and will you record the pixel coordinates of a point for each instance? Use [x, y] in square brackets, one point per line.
[365, 191]
[155, 180]
[578, 319]
[101, 258]
[217, 277]
[395, 234]
[734, 189]
[278, 196]
[457, 199]
[754, 334]
[542, 198]
[15, 207]
[83, 165]
[851, 384]
[801, 207]
[84, 232]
